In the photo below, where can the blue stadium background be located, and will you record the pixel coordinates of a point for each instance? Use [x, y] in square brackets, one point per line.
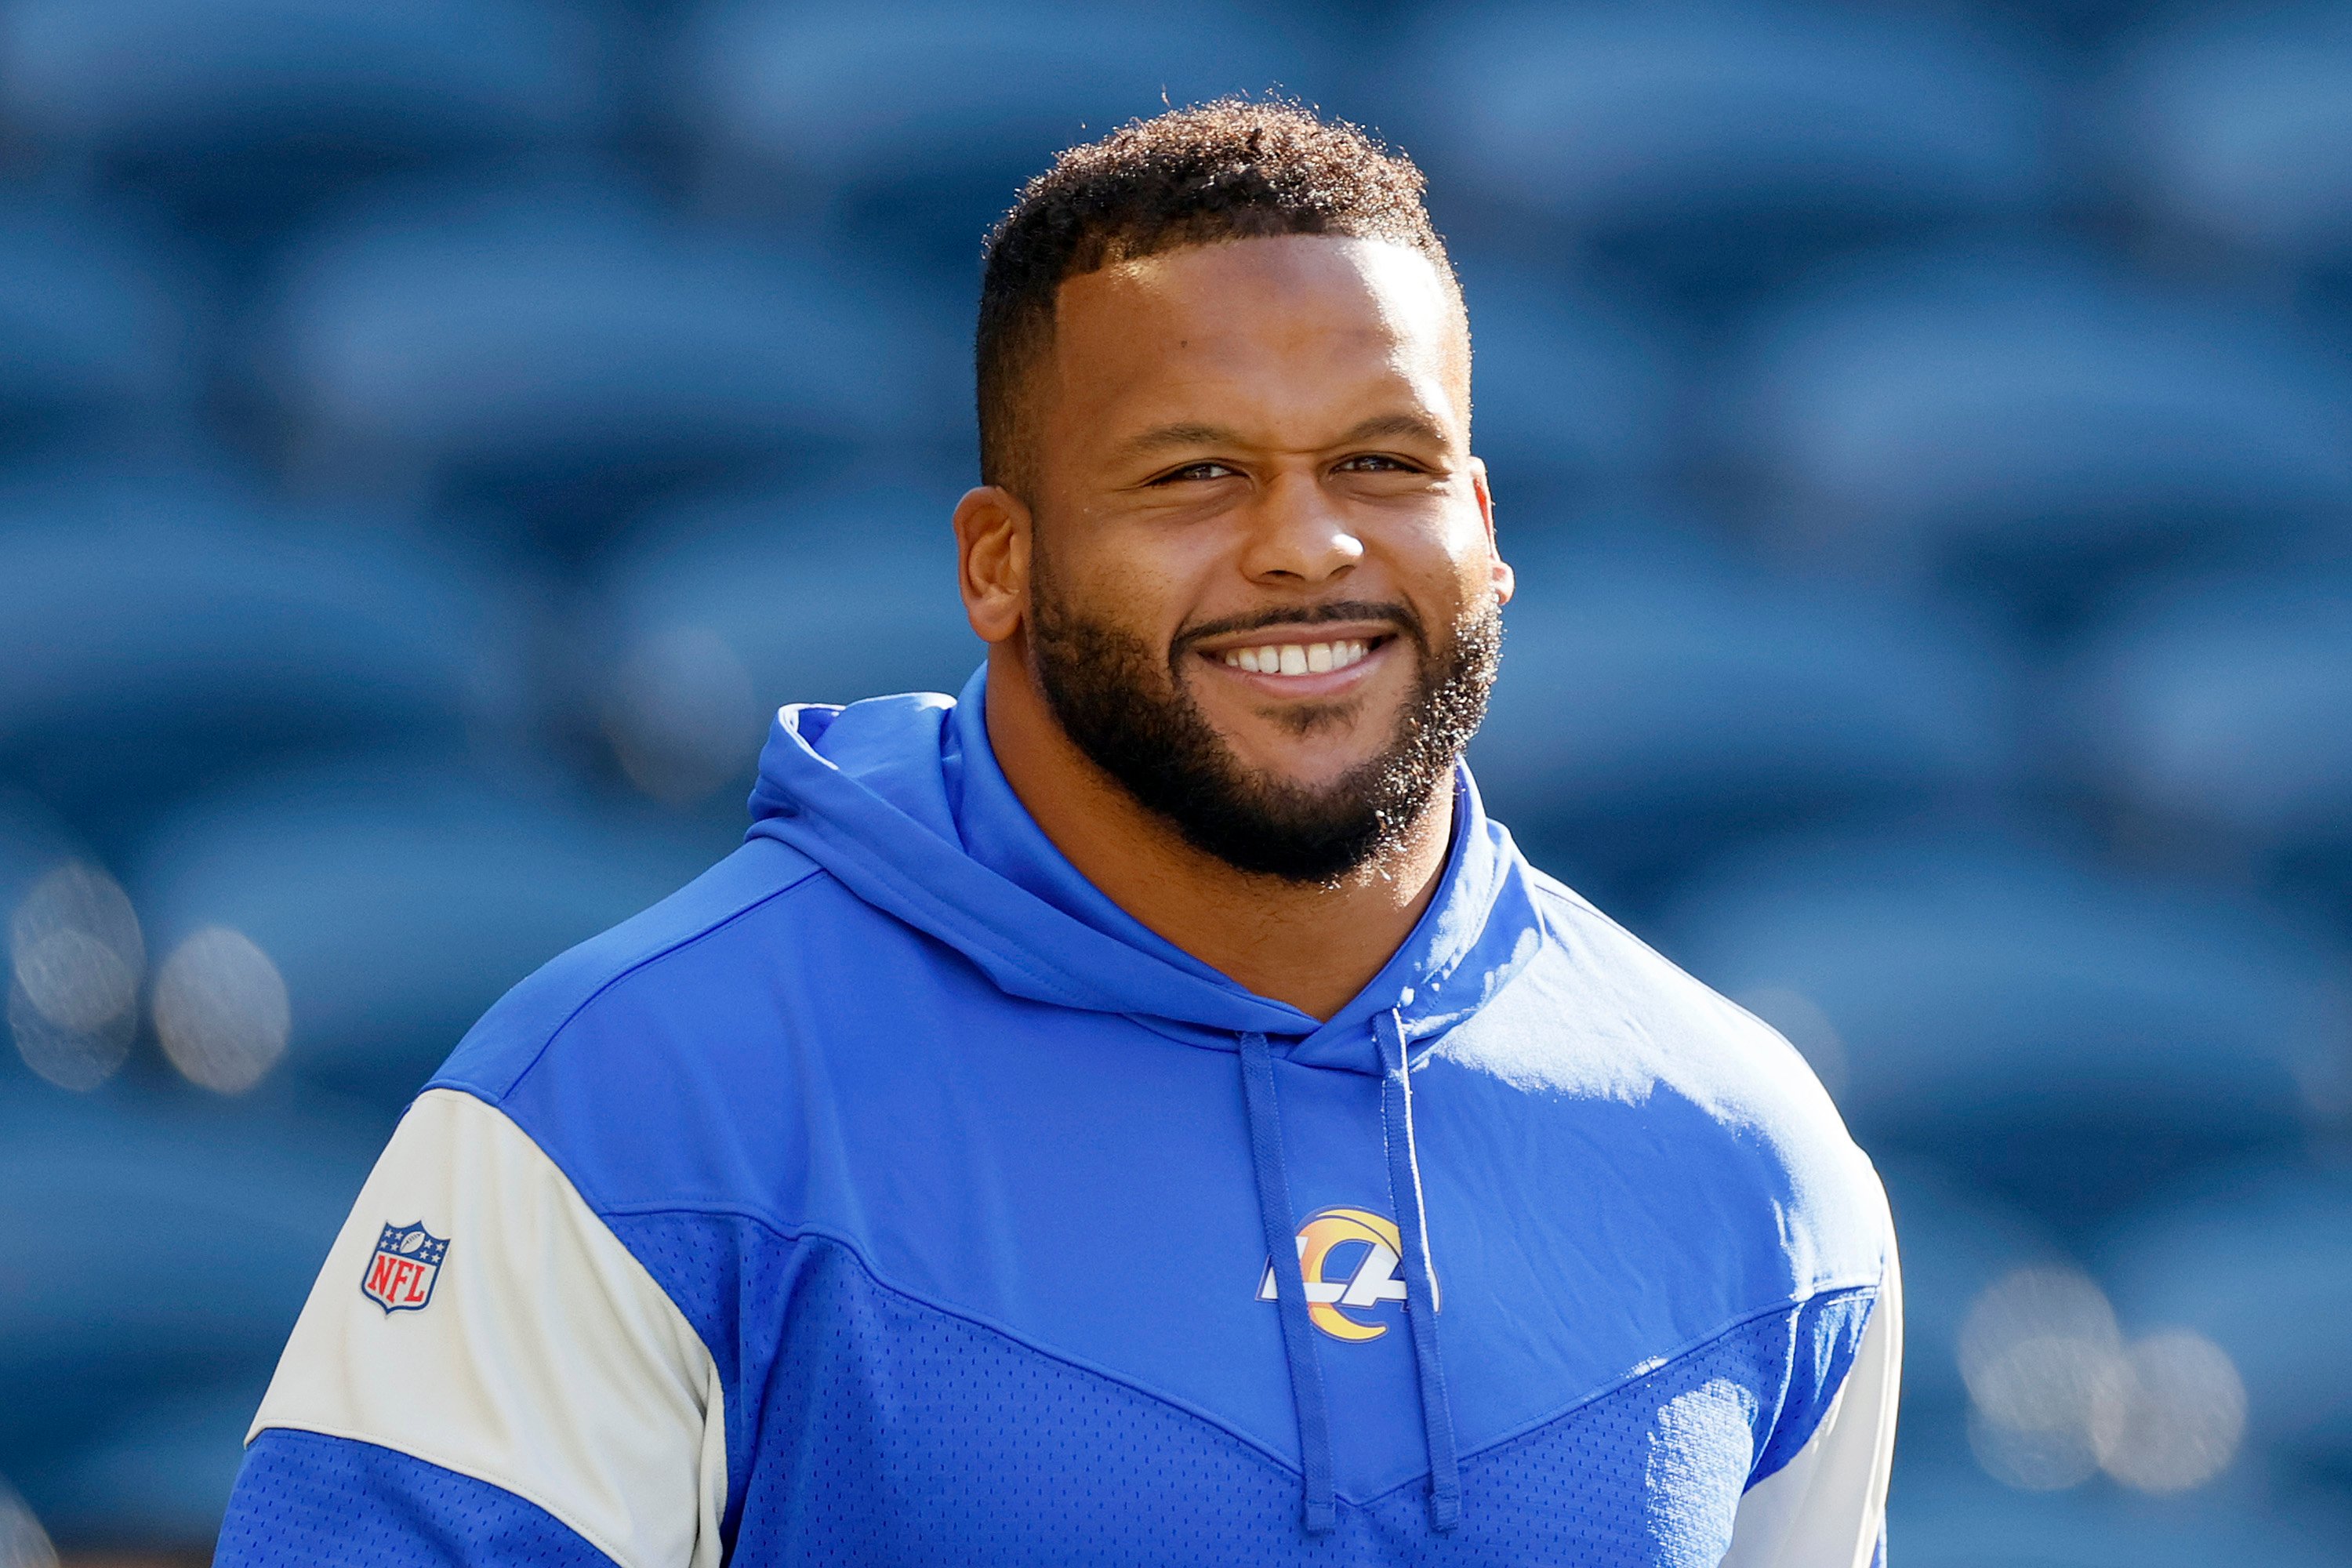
[433, 432]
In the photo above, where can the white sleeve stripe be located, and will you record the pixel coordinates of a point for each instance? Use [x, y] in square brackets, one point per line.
[531, 1351]
[1826, 1507]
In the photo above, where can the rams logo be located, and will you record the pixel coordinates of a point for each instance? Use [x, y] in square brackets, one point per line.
[1349, 1258]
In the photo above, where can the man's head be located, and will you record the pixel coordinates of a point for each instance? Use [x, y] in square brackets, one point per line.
[1231, 529]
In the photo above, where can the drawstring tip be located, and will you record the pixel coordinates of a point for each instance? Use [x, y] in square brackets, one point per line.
[1322, 1517]
[1445, 1509]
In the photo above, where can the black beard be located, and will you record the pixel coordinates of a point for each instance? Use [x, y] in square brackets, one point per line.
[1134, 717]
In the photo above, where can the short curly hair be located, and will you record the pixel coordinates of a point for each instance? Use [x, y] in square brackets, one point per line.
[1234, 169]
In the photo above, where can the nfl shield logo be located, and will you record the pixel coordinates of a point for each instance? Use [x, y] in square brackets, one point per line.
[407, 1262]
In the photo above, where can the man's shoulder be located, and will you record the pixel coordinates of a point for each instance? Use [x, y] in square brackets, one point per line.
[672, 1060]
[647, 962]
[1673, 1024]
[1692, 1080]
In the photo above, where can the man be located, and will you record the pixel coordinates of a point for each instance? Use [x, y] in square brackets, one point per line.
[1144, 1111]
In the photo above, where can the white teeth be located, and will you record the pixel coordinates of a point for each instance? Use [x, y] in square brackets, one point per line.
[1296, 658]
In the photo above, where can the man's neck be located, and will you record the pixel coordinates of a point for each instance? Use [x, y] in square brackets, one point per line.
[1312, 946]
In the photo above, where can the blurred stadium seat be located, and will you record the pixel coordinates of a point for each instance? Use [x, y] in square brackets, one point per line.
[2236, 122]
[96, 343]
[149, 624]
[1950, 1520]
[238, 114]
[398, 902]
[559, 352]
[1657, 698]
[150, 1250]
[2261, 1263]
[1706, 147]
[2056, 1033]
[720, 612]
[160, 1472]
[2224, 708]
[907, 130]
[2032, 423]
[1577, 395]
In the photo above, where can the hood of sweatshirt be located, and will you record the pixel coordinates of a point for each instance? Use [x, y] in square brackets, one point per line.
[901, 799]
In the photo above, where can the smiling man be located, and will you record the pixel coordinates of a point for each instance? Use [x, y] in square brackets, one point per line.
[1142, 1111]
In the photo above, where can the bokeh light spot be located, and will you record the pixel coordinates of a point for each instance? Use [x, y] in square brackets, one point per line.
[2176, 1421]
[76, 981]
[2031, 1459]
[66, 1057]
[220, 1010]
[2038, 1350]
[2056, 1395]
[76, 959]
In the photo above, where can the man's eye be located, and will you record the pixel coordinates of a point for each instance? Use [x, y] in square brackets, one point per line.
[1373, 463]
[1195, 471]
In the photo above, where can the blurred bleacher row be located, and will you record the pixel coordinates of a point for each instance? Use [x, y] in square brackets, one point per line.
[434, 433]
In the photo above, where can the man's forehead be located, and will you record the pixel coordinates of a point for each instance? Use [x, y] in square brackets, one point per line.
[1326, 279]
[1287, 306]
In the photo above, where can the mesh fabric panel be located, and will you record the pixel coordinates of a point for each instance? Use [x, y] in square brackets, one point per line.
[882, 1430]
[302, 1498]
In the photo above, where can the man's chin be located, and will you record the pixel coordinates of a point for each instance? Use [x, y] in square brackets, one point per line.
[1303, 737]
[1280, 761]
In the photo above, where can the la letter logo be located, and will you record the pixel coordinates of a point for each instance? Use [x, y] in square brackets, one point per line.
[1359, 1245]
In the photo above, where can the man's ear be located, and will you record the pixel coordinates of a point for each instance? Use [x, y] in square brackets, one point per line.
[1505, 581]
[992, 539]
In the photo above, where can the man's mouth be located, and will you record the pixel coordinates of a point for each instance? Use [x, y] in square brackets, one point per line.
[1314, 657]
[1299, 658]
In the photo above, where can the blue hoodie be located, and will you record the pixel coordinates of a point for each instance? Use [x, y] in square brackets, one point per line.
[891, 1195]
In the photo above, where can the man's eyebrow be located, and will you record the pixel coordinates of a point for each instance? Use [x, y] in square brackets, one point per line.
[1169, 438]
[1418, 426]
[1172, 437]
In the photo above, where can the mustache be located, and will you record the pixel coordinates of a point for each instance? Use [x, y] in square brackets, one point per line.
[1394, 613]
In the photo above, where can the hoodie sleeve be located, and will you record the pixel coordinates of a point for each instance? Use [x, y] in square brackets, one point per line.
[483, 1374]
[1826, 1507]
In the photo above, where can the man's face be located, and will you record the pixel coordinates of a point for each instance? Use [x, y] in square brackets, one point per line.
[1264, 588]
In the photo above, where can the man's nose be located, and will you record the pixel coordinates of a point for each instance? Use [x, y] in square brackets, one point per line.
[1298, 538]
